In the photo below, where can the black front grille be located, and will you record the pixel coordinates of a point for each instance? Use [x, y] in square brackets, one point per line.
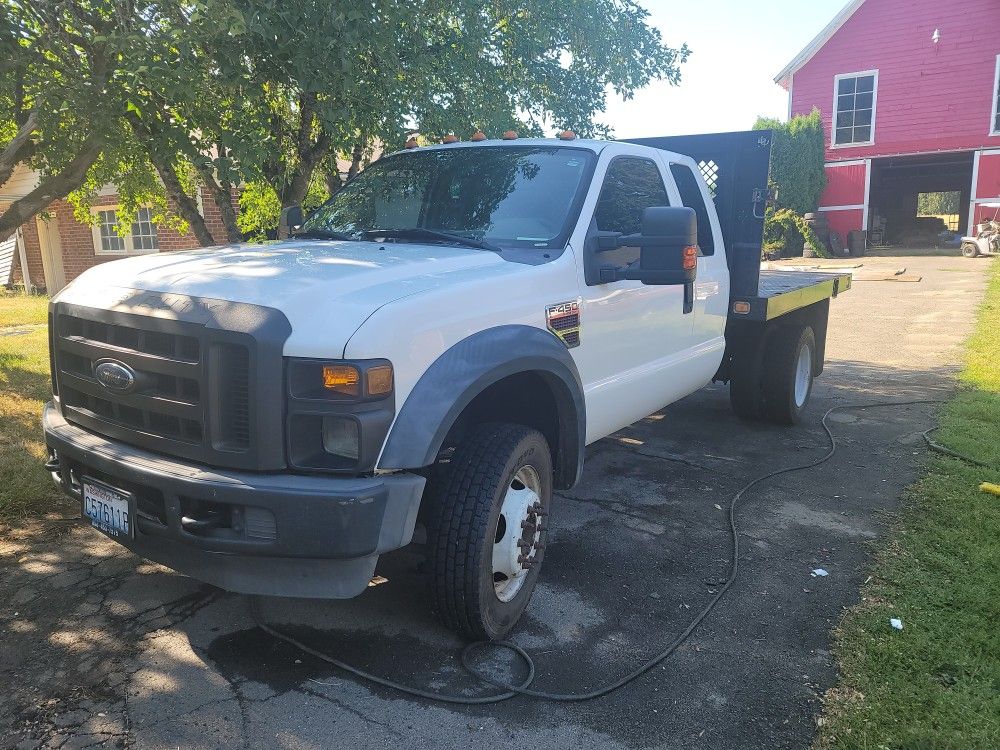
[192, 395]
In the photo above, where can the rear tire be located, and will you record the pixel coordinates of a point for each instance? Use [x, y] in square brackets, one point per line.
[486, 529]
[969, 249]
[789, 367]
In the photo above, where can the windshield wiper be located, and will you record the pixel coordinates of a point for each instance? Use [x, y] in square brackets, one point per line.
[421, 233]
[320, 234]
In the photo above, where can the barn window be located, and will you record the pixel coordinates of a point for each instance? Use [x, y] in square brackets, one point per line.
[142, 237]
[995, 112]
[854, 97]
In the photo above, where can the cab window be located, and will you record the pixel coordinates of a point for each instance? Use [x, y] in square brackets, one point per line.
[690, 190]
[631, 185]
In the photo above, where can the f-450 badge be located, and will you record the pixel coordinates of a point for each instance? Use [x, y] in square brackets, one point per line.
[563, 319]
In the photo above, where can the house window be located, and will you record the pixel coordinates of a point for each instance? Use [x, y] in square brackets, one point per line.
[141, 239]
[995, 112]
[854, 97]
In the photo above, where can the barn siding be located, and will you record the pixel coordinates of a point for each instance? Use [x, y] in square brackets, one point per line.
[845, 184]
[931, 97]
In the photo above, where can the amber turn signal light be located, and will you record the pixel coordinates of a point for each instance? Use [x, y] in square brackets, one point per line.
[379, 380]
[342, 379]
[690, 261]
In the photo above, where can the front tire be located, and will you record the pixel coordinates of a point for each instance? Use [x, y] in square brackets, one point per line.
[969, 249]
[486, 530]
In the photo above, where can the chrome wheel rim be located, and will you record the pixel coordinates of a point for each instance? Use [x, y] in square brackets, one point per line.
[518, 536]
[803, 376]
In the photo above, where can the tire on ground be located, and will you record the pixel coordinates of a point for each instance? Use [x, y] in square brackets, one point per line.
[780, 404]
[969, 249]
[462, 527]
[745, 393]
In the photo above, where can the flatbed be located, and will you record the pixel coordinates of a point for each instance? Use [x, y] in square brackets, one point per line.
[781, 292]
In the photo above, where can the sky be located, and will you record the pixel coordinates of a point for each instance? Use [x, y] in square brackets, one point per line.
[737, 48]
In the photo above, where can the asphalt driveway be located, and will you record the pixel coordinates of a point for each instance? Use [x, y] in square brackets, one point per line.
[98, 647]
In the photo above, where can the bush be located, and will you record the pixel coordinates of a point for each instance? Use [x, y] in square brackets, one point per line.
[796, 181]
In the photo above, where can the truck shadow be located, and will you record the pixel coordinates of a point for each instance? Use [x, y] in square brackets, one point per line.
[636, 549]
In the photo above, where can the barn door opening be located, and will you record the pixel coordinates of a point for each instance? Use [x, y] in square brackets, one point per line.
[914, 200]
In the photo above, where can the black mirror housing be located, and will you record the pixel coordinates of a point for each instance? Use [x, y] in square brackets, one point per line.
[291, 219]
[668, 246]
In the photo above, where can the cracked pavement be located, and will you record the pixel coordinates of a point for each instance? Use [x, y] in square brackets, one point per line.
[99, 648]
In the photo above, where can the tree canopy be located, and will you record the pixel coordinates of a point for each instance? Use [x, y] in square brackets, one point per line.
[158, 97]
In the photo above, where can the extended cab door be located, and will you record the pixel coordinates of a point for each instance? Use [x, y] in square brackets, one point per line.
[711, 290]
[635, 340]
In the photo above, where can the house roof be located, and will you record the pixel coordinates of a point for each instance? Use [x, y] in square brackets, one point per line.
[784, 77]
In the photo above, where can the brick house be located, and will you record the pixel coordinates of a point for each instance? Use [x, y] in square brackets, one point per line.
[908, 91]
[58, 248]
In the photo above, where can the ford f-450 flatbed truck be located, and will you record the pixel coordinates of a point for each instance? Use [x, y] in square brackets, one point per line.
[434, 346]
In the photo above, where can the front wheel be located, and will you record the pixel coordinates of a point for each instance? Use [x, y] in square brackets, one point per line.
[486, 530]
[969, 249]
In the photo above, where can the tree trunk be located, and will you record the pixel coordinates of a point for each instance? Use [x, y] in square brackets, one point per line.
[187, 207]
[357, 156]
[222, 194]
[309, 152]
[333, 181]
[50, 189]
[19, 147]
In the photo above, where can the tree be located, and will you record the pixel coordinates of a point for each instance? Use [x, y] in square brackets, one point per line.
[57, 61]
[157, 97]
[798, 150]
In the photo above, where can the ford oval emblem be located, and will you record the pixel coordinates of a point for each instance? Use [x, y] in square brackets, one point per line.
[115, 376]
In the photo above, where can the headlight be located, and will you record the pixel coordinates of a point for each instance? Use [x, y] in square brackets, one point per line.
[339, 413]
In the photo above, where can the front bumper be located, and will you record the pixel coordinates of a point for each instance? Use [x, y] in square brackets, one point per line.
[272, 534]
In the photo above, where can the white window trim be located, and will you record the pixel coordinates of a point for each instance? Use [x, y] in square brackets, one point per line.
[833, 118]
[996, 100]
[130, 248]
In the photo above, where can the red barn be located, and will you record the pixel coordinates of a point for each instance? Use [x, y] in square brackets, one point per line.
[908, 91]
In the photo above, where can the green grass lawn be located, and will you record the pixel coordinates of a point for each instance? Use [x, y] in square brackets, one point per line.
[19, 310]
[935, 684]
[25, 487]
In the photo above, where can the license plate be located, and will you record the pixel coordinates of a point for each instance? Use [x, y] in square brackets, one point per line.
[107, 508]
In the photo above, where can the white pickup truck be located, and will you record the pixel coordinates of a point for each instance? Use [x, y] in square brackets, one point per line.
[433, 347]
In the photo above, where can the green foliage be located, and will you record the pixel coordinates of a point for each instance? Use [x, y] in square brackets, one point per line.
[265, 91]
[260, 207]
[938, 204]
[797, 154]
[796, 181]
[783, 228]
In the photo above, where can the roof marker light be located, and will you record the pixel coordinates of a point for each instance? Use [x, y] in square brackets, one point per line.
[479, 135]
[510, 135]
[567, 135]
[450, 138]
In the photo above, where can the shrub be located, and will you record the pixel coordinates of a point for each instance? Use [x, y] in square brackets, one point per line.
[796, 180]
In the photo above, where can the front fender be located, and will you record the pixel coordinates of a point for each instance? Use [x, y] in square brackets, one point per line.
[469, 367]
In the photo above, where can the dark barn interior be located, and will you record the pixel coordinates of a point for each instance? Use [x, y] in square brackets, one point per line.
[896, 183]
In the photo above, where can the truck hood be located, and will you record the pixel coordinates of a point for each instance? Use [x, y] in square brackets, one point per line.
[339, 284]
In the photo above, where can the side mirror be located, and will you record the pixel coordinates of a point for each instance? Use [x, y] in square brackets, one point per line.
[668, 245]
[291, 219]
[668, 248]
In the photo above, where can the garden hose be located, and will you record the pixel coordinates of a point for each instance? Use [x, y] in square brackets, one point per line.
[523, 687]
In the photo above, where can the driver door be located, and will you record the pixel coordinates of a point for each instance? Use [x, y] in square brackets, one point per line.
[634, 338]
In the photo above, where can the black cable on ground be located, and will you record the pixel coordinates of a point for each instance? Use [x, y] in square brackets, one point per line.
[935, 446]
[523, 688]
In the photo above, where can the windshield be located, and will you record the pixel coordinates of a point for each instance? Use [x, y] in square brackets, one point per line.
[519, 196]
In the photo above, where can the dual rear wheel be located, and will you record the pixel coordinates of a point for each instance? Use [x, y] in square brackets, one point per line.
[776, 386]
